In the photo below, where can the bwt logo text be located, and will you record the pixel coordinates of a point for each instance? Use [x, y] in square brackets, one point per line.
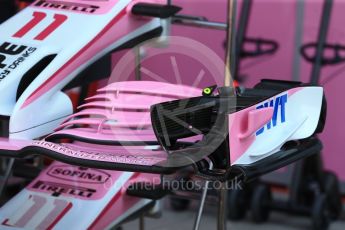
[279, 105]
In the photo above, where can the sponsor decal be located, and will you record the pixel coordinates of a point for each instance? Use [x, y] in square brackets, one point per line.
[71, 6]
[56, 189]
[80, 175]
[123, 158]
[12, 56]
[37, 18]
[279, 108]
[30, 209]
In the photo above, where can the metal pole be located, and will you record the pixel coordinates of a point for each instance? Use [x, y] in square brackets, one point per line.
[6, 176]
[201, 207]
[222, 207]
[137, 63]
[142, 222]
[298, 40]
[202, 202]
[7, 164]
[233, 51]
[231, 19]
[227, 82]
[323, 32]
[241, 34]
[185, 20]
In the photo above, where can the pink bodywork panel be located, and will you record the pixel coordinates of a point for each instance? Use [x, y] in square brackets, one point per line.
[81, 183]
[256, 119]
[120, 135]
[153, 87]
[128, 101]
[237, 124]
[243, 125]
[127, 119]
[84, 184]
[13, 145]
[121, 111]
[72, 181]
[101, 124]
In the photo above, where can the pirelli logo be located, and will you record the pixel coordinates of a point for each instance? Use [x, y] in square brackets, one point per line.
[71, 6]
